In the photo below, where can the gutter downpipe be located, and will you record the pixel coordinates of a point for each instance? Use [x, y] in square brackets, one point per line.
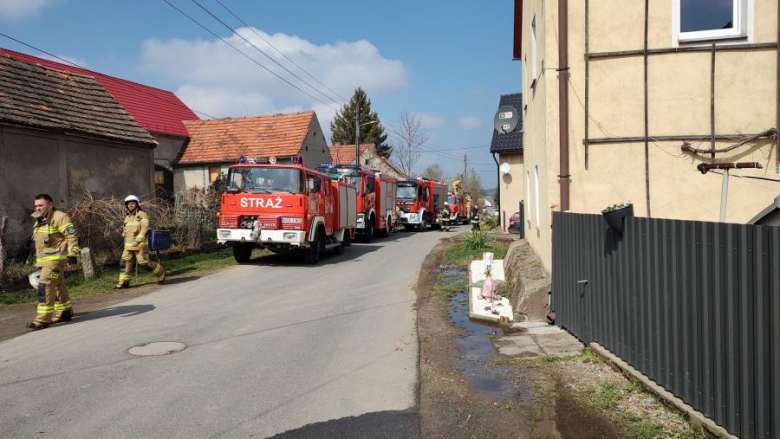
[563, 100]
[498, 190]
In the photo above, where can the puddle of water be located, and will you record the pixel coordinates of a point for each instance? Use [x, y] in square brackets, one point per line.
[477, 348]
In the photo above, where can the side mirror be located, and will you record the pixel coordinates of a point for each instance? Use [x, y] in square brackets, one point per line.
[232, 189]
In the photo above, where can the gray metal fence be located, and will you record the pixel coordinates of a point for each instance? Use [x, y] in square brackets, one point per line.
[694, 306]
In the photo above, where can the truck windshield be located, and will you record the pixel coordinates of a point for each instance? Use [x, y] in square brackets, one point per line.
[265, 179]
[406, 194]
[347, 175]
[451, 200]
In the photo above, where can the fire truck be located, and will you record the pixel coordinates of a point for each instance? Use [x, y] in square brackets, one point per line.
[419, 199]
[375, 198]
[456, 203]
[285, 208]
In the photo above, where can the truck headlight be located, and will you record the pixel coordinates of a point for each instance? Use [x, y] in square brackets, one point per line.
[289, 236]
[411, 216]
[224, 233]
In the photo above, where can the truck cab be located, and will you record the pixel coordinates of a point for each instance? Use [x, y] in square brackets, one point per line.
[418, 201]
[284, 208]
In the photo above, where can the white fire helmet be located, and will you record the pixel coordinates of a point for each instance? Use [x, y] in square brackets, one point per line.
[132, 198]
[35, 278]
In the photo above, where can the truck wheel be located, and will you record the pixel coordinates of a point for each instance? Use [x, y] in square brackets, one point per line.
[384, 233]
[422, 226]
[242, 252]
[312, 253]
[368, 236]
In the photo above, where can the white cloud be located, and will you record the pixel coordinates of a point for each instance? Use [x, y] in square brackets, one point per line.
[216, 79]
[70, 59]
[469, 123]
[20, 9]
[430, 121]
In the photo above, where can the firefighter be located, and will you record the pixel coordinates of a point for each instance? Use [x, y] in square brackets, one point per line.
[56, 246]
[136, 244]
[475, 217]
[444, 218]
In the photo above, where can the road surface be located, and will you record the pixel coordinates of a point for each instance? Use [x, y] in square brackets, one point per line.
[273, 347]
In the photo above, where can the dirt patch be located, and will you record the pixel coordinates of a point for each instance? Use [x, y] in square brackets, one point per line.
[448, 407]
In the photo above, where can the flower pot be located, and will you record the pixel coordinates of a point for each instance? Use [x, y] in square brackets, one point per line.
[614, 218]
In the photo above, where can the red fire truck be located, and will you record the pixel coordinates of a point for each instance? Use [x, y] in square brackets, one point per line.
[375, 198]
[419, 200]
[285, 207]
[456, 203]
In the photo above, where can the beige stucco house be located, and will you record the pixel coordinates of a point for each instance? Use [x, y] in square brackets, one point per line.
[647, 96]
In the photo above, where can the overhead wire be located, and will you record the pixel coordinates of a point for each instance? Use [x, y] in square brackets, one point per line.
[279, 51]
[235, 31]
[204, 27]
[137, 87]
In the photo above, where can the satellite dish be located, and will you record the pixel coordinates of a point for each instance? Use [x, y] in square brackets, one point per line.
[506, 119]
[272, 160]
[505, 168]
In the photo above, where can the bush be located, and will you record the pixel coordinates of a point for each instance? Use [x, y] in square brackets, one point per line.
[475, 240]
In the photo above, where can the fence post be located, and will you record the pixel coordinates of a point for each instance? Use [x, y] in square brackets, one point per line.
[87, 264]
[3, 223]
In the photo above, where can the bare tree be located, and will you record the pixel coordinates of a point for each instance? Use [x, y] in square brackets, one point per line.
[434, 172]
[409, 141]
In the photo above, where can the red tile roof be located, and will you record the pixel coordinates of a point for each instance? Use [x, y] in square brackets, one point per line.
[157, 111]
[224, 140]
[345, 154]
[46, 98]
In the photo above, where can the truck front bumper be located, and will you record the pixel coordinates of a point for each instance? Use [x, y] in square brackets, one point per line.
[289, 237]
[409, 218]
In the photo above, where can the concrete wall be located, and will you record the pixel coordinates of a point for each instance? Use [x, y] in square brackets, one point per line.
[66, 167]
[679, 104]
[512, 189]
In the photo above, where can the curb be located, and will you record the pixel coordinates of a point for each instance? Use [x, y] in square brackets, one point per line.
[695, 418]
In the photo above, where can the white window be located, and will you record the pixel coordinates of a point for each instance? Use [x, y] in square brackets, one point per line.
[536, 188]
[528, 196]
[533, 51]
[705, 20]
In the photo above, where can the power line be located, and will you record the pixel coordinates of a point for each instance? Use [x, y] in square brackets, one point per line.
[278, 51]
[247, 56]
[263, 52]
[109, 77]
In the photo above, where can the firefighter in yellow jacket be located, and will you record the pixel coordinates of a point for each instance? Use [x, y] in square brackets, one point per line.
[56, 246]
[136, 243]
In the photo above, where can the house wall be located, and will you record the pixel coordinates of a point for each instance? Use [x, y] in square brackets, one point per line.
[679, 104]
[67, 167]
[315, 149]
[512, 189]
[189, 177]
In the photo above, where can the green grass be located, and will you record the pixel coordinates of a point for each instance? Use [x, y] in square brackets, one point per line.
[468, 249]
[646, 430]
[547, 359]
[193, 265]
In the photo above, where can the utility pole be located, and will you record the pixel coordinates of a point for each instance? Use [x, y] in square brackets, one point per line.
[465, 165]
[357, 134]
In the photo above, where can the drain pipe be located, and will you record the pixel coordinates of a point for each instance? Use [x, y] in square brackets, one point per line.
[498, 191]
[777, 126]
[724, 191]
[563, 100]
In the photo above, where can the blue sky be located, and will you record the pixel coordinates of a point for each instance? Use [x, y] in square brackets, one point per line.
[447, 61]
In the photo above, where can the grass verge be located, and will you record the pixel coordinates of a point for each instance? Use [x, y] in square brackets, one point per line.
[472, 246]
[188, 266]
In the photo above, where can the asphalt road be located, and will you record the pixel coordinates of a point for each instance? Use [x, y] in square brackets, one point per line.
[274, 347]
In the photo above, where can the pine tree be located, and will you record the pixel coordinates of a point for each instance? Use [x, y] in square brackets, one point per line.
[342, 126]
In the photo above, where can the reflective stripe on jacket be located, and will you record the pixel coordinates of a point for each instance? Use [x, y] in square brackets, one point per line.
[55, 237]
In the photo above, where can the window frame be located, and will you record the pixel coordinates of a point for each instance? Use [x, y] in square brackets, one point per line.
[742, 12]
[528, 197]
[536, 201]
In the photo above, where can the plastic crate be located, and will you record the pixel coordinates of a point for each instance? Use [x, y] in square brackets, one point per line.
[160, 239]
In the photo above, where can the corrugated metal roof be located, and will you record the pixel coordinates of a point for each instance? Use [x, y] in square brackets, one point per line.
[157, 111]
[47, 98]
[511, 142]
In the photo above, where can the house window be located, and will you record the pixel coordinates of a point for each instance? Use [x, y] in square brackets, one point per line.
[536, 189]
[706, 20]
[214, 173]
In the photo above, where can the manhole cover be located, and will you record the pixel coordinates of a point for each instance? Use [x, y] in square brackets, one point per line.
[156, 348]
